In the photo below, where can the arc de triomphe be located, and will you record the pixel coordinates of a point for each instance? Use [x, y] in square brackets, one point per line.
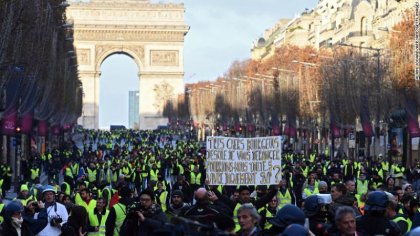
[151, 34]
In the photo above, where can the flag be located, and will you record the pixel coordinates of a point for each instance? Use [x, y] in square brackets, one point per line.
[276, 130]
[251, 128]
[56, 129]
[225, 127]
[291, 126]
[42, 128]
[335, 130]
[412, 118]
[26, 123]
[9, 122]
[364, 117]
[238, 127]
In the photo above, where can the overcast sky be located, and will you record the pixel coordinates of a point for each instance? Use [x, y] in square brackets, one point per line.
[221, 32]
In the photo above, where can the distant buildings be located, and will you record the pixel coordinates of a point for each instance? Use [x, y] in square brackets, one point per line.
[357, 22]
[133, 109]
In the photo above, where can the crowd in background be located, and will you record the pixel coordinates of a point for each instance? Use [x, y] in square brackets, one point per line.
[154, 183]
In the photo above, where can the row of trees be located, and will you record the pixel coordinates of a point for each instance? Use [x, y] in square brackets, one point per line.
[335, 86]
[38, 65]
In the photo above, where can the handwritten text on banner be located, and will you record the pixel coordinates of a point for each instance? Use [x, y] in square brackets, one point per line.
[243, 161]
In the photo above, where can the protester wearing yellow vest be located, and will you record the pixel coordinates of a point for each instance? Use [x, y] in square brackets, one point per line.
[391, 213]
[97, 218]
[162, 196]
[284, 197]
[245, 197]
[68, 174]
[117, 213]
[77, 198]
[195, 178]
[1, 212]
[65, 187]
[268, 212]
[310, 189]
[106, 194]
[87, 202]
[75, 169]
[34, 173]
[153, 173]
[362, 184]
[92, 173]
[24, 195]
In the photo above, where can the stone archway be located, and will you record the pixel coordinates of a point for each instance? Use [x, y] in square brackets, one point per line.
[152, 34]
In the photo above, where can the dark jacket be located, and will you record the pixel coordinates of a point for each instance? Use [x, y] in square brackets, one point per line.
[36, 225]
[110, 221]
[154, 219]
[258, 203]
[382, 225]
[8, 229]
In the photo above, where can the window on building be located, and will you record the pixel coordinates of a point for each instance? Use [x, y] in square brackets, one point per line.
[363, 26]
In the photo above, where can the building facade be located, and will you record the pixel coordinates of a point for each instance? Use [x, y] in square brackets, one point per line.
[365, 23]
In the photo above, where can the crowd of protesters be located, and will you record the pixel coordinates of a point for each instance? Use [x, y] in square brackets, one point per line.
[154, 183]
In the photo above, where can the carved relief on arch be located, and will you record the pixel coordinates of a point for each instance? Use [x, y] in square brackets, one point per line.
[136, 51]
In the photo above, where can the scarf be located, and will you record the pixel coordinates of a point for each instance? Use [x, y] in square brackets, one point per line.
[17, 223]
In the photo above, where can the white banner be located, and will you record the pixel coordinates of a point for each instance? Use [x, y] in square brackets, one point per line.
[243, 161]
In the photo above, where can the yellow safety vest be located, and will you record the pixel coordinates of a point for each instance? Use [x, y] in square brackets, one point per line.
[398, 172]
[305, 171]
[75, 168]
[126, 170]
[91, 206]
[115, 176]
[385, 166]
[309, 193]
[34, 173]
[108, 176]
[312, 157]
[153, 174]
[78, 199]
[268, 215]
[120, 214]
[362, 188]
[195, 178]
[109, 194]
[69, 172]
[68, 189]
[91, 175]
[235, 217]
[162, 199]
[25, 201]
[1, 209]
[407, 220]
[94, 222]
[284, 199]
[143, 173]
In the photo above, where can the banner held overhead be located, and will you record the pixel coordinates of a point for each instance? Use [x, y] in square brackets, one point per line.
[243, 161]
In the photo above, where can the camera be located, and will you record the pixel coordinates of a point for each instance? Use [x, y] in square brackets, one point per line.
[138, 207]
[134, 208]
[56, 220]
